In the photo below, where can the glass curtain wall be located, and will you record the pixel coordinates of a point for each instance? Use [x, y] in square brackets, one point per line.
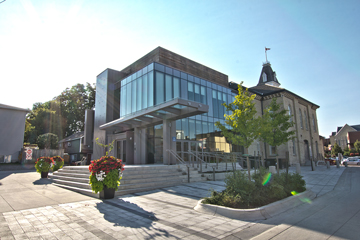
[156, 84]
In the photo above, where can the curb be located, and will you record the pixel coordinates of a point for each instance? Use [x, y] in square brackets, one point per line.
[261, 213]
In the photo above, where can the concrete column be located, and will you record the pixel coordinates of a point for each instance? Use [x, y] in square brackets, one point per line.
[169, 132]
[143, 146]
[137, 146]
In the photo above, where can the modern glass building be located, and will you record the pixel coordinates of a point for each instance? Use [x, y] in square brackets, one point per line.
[161, 106]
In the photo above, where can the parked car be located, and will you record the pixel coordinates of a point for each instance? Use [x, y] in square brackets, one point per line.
[352, 161]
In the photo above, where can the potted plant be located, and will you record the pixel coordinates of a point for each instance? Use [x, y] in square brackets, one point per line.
[106, 174]
[43, 165]
[58, 163]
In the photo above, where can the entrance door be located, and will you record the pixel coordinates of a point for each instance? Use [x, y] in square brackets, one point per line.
[121, 150]
[184, 146]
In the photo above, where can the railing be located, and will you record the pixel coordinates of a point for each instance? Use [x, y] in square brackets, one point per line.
[179, 159]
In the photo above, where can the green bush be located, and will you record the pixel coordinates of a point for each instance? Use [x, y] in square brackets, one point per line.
[58, 163]
[47, 141]
[242, 193]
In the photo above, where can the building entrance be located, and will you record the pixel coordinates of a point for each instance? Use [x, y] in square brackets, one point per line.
[184, 146]
[121, 150]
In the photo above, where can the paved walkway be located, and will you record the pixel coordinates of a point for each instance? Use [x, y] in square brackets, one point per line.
[34, 209]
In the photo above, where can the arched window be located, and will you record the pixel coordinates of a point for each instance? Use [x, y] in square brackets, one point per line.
[290, 113]
[306, 121]
[301, 120]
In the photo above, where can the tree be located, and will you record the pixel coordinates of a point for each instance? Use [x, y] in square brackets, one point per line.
[72, 105]
[275, 126]
[336, 150]
[357, 145]
[47, 141]
[63, 116]
[243, 123]
[44, 118]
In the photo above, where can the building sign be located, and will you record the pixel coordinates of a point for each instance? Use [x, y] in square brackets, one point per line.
[29, 153]
[174, 139]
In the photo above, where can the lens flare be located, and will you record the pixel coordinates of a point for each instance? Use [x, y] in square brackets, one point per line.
[266, 179]
[305, 200]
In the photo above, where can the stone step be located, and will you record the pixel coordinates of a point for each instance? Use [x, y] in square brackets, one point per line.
[135, 178]
[70, 178]
[84, 191]
[72, 184]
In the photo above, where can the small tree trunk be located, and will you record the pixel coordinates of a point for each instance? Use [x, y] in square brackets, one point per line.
[277, 164]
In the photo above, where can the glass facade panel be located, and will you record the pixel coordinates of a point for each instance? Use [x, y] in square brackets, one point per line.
[203, 95]
[169, 88]
[197, 92]
[144, 91]
[138, 93]
[192, 129]
[214, 103]
[133, 94]
[198, 130]
[151, 89]
[185, 127]
[159, 89]
[184, 91]
[221, 107]
[190, 91]
[176, 87]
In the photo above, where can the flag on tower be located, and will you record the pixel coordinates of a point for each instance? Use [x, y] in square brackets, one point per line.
[267, 48]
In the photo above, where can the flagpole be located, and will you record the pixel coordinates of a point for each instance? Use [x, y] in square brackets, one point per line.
[266, 55]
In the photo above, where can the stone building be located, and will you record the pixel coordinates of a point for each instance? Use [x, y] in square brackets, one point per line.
[165, 102]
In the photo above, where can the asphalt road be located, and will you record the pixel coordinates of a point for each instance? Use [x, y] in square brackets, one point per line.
[335, 215]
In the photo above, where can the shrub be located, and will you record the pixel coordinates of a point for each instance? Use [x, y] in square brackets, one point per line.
[47, 141]
[264, 189]
[58, 163]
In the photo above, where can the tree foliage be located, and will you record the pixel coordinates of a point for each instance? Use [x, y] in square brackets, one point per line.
[63, 116]
[47, 141]
[336, 150]
[243, 123]
[275, 125]
[357, 145]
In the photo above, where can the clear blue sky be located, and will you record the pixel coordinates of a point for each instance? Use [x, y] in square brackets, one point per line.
[46, 46]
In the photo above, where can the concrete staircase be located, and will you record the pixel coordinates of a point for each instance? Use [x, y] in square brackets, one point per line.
[136, 178]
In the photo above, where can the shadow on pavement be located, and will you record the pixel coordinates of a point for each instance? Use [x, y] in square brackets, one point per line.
[127, 214]
[42, 181]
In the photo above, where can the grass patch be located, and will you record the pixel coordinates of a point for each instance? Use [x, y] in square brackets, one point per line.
[264, 189]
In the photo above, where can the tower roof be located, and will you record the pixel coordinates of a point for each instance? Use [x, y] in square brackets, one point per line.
[268, 76]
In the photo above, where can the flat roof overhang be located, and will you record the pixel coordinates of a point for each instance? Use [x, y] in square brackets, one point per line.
[172, 110]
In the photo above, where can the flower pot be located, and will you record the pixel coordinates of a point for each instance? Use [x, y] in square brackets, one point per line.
[44, 174]
[107, 193]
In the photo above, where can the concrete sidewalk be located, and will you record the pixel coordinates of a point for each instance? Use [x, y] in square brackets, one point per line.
[34, 209]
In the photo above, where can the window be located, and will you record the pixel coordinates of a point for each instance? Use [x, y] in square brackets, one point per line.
[169, 87]
[301, 120]
[306, 121]
[176, 87]
[264, 77]
[190, 91]
[159, 87]
[294, 147]
[272, 150]
[203, 95]
[313, 121]
[197, 92]
[151, 89]
[290, 113]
